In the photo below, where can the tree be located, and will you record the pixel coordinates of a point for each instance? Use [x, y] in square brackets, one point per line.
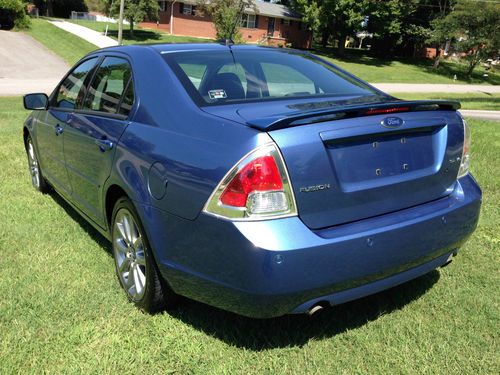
[475, 25]
[439, 33]
[96, 5]
[135, 11]
[392, 24]
[226, 16]
[338, 18]
[13, 14]
[60, 8]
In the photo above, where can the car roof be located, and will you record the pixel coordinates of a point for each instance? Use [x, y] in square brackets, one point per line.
[178, 47]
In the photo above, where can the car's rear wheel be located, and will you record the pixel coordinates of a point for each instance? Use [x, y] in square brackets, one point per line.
[37, 179]
[135, 265]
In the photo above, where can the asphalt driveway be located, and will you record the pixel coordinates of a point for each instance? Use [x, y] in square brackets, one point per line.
[27, 66]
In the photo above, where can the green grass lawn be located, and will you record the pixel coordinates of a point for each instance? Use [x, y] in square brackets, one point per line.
[482, 101]
[140, 35]
[359, 63]
[70, 47]
[62, 310]
[376, 70]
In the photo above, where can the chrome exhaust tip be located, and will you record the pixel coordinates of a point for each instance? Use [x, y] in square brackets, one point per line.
[450, 259]
[316, 308]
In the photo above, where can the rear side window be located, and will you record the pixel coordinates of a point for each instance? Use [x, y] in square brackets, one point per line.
[72, 91]
[111, 81]
[194, 72]
[128, 99]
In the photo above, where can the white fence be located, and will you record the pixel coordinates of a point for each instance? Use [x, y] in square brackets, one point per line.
[93, 17]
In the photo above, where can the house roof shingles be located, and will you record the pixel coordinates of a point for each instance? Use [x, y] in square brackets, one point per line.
[263, 8]
[276, 10]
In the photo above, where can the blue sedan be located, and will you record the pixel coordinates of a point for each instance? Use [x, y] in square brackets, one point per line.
[262, 181]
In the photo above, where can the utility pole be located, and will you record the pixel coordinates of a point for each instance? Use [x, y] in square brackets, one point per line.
[120, 22]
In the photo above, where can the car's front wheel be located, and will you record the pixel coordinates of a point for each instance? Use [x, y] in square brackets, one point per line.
[134, 261]
[37, 179]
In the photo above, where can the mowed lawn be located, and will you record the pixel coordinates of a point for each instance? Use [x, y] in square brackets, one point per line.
[140, 34]
[480, 100]
[359, 63]
[62, 310]
[68, 46]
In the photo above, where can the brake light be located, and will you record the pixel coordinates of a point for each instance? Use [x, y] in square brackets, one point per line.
[259, 175]
[465, 161]
[378, 111]
[257, 187]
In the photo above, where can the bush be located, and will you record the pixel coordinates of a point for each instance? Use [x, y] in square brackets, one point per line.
[60, 8]
[13, 14]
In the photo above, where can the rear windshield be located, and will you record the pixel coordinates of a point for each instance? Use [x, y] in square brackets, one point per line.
[219, 77]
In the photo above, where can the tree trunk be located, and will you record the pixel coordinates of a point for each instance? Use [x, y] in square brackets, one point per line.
[471, 67]
[341, 49]
[50, 11]
[437, 60]
[473, 63]
[325, 35]
[131, 29]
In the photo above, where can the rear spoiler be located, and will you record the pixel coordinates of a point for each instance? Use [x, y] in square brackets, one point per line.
[349, 111]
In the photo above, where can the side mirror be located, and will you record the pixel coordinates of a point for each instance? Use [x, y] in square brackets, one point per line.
[35, 101]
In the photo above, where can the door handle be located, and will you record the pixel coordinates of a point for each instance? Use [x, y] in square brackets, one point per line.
[104, 144]
[58, 129]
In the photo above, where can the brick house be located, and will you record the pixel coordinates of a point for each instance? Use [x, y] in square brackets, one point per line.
[268, 23]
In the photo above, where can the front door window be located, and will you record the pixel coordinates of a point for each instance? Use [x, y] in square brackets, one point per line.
[72, 91]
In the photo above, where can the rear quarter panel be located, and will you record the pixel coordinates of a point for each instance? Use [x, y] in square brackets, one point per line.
[171, 144]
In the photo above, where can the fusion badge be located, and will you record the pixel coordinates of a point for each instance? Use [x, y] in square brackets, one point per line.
[310, 189]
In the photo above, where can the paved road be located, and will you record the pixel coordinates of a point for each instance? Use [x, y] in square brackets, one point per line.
[89, 35]
[485, 115]
[431, 87]
[27, 66]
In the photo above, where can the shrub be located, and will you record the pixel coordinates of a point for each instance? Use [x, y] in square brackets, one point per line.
[13, 14]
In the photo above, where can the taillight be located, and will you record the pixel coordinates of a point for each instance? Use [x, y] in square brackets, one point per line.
[378, 111]
[256, 188]
[465, 161]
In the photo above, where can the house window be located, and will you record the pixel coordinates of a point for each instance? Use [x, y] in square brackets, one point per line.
[161, 6]
[285, 21]
[188, 9]
[248, 21]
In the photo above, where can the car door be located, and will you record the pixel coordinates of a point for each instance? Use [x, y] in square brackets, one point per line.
[51, 125]
[92, 133]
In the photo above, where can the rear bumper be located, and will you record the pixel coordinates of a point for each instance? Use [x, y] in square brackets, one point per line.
[271, 268]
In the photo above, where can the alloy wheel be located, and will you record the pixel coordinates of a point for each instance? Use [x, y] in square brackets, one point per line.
[130, 255]
[33, 165]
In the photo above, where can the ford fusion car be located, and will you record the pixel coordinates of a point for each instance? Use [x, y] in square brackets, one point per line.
[261, 181]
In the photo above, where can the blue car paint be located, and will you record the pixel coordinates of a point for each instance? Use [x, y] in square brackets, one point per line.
[52, 159]
[180, 151]
[269, 268]
[355, 149]
[88, 164]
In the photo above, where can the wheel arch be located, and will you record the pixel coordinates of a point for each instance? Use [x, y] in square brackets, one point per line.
[26, 133]
[113, 194]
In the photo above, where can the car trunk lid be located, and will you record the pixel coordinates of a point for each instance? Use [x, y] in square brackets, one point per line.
[354, 162]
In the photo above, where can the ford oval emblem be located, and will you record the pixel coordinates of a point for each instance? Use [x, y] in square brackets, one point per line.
[393, 122]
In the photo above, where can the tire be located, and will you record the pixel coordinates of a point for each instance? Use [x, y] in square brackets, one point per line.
[134, 262]
[37, 179]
